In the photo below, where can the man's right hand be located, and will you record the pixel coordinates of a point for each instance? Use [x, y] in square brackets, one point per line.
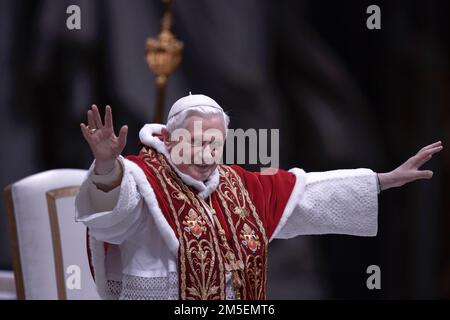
[104, 144]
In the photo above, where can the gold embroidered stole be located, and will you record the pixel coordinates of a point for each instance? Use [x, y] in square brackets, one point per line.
[201, 256]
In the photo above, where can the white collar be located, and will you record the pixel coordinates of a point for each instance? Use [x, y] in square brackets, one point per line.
[147, 137]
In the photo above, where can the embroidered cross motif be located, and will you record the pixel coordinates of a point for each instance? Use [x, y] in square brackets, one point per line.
[194, 224]
[249, 238]
[241, 212]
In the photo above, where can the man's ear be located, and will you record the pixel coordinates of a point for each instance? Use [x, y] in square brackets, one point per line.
[166, 136]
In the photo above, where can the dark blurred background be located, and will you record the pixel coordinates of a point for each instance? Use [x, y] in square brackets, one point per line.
[342, 96]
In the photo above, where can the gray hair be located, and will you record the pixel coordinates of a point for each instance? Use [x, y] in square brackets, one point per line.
[178, 120]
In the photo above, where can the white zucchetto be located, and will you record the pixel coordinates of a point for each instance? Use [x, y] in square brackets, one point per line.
[190, 101]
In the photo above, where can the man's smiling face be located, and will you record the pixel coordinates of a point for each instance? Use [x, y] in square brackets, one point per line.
[197, 148]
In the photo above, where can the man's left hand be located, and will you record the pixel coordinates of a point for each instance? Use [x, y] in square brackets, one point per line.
[409, 171]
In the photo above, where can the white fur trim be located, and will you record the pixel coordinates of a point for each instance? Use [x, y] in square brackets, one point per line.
[146, 135]
[297, 192]
[149, 196]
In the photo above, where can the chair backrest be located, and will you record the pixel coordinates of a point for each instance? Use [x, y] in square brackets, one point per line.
[48, 246]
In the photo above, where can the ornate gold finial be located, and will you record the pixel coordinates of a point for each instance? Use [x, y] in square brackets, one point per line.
[164, 55]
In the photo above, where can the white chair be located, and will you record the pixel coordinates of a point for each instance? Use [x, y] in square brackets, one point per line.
[48, 246]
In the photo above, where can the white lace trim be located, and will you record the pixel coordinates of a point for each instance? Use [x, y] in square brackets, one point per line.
[154, 288]
[113, 289]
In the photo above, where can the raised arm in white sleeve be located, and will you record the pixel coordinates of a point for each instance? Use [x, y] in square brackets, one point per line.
[111, 216]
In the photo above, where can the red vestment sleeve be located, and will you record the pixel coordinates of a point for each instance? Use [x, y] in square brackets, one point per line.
[270, 194]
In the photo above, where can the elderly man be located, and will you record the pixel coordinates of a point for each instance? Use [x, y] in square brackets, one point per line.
[172, 223]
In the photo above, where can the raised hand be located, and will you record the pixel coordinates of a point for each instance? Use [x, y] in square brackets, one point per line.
[104, 144]
[409, 171]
